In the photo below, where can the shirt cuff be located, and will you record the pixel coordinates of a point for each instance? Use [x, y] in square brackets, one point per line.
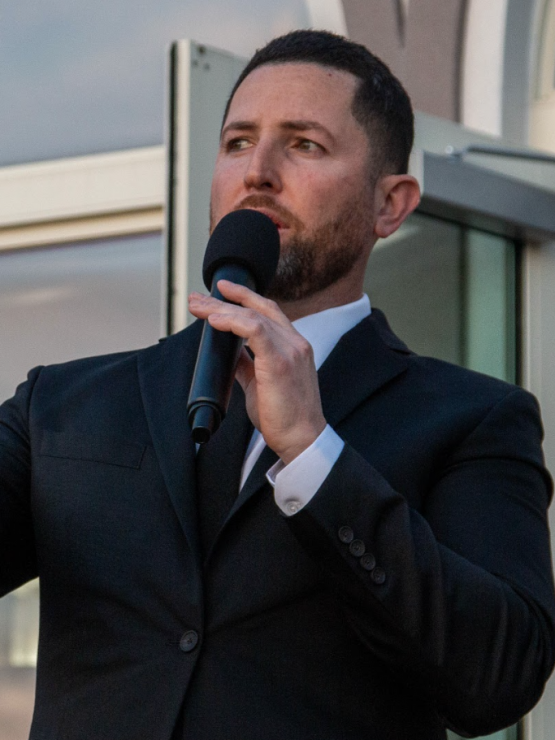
[295, 484]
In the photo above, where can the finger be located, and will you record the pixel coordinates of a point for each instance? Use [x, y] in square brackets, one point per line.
[266, 336]
[249, 299]
[202, 306]
[243, 322]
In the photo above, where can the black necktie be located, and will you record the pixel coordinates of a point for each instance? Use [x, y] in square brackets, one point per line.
[218, 469]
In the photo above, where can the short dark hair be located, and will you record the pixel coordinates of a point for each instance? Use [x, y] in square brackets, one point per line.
[380, 104]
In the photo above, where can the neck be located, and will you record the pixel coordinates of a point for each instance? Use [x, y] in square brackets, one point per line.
[338, 294]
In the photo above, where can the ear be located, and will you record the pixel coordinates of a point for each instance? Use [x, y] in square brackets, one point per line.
[396, 198]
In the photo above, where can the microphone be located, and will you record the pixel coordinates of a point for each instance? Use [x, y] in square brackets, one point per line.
[243, 248]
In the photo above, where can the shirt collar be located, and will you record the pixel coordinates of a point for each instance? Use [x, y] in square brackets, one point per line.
[324, 329]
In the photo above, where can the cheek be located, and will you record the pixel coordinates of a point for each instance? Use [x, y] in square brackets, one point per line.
[330, 191]
[325, 202]
[227, 177]
[220, 197]
[315, 193]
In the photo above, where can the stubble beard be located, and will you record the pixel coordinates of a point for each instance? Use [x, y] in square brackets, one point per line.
[309, 263]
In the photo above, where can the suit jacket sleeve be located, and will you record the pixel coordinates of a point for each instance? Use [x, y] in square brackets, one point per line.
[460, 603]
[17, 545]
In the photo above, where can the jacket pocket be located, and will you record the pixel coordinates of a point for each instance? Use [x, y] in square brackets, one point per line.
[100, 449]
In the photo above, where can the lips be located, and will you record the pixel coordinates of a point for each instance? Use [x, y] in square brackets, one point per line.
[262, 204]
[267, 212]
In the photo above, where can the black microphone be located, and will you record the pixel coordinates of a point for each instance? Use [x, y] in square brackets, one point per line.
[243, 248]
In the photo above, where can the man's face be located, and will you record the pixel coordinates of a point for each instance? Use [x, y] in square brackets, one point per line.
[291, 149]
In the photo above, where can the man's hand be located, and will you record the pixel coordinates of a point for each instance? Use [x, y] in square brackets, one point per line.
[280, 384]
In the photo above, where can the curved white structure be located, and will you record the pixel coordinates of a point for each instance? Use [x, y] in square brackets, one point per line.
[483, 65]
[328, 15]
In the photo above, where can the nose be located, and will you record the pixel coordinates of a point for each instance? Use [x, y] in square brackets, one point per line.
[263, 170]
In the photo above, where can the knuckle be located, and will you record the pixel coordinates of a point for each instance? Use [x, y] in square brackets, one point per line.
[272, 305]
[302, 350]
[249, 314]
[258, 327]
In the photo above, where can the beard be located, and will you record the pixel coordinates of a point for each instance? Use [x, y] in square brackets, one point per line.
[310, 262]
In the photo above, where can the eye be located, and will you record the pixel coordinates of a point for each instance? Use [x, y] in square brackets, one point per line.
[237, 144]
[309, 146]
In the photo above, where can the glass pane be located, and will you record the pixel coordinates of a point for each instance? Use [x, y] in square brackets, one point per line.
[489, 305]
[73, 301]
[415, 278]
[55, 305]
[450, 292]
[510, 734]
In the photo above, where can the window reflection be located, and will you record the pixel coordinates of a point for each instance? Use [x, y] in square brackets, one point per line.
[449, 292]
[77, 300]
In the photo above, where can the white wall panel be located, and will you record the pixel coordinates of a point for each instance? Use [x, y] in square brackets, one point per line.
[328, 15]
[483, 64]
[539, 377]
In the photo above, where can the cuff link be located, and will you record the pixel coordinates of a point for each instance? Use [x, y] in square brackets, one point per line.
[292, 507]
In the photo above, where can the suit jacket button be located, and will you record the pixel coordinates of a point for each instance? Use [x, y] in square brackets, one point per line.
[346, 535]
[189, 641]
[357, 548]
[368, 561]
[378, 576]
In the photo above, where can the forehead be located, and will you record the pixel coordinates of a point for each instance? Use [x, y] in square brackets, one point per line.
[296, 91]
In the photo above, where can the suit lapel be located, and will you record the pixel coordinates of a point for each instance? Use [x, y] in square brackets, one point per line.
[218, 466]
[256, 479]
[233, 437]
[165, 373]
[363, 361]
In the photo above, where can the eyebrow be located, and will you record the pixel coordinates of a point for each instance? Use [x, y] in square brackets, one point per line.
[300, 125]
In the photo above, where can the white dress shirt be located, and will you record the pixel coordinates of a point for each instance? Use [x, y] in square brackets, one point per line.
[295, 484]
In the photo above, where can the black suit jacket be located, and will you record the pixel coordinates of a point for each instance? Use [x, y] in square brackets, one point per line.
[413, 592]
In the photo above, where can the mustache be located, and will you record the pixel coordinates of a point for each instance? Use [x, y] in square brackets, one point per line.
[266, 201]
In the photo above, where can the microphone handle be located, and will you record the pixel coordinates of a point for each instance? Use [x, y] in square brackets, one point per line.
[216, 363]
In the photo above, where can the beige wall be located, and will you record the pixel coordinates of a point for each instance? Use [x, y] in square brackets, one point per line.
[423, 46]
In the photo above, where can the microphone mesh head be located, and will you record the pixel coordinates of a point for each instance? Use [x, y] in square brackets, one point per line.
[247, 238]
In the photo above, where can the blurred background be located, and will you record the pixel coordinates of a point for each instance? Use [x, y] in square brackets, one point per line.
[79, 78]
[83, 126]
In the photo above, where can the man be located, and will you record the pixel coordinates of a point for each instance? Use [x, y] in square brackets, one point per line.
[394, 577]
